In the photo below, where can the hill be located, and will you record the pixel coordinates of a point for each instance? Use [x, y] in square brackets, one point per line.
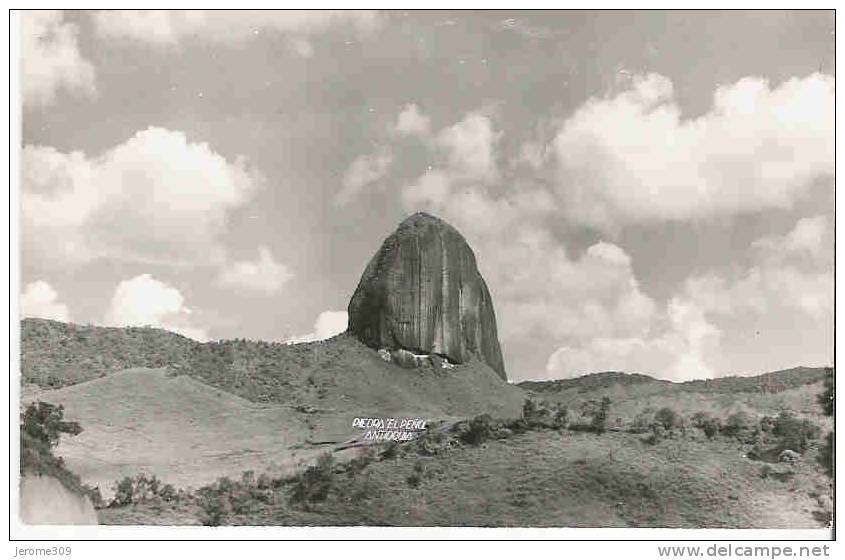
[56, 354]
[239, 405]
[793, 389]
[535, 479]
[144, 420]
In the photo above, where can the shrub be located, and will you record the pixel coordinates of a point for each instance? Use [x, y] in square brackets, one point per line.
[227, 497]
[767, 424]
[431, 442]
[480, 429]
[699, 419]
[560, 416]
[315, 483]
[711, 427]
[215, 510]
[736, 423]
[642, 421]
[658, 433]
[141, 488]
[361, 462]
[597, 411]
[667, 418]
[45, 422]
[794, 433]
[391, 451]
[825, 457]
[825, 399]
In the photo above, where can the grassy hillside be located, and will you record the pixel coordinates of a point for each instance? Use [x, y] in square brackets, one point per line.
[55, 354]
[795, 389]
[144, 420]
[536, 479]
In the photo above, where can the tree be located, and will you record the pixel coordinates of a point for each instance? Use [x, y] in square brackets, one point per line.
[795, 433]
[825, 399]
[597, 411]
[667, 418]
[711, 427]
[45, 422]
[736, 423]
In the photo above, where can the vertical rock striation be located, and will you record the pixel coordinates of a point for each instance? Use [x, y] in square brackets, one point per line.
[422, 292]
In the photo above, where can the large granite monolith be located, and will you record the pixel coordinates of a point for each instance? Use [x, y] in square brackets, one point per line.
[422, 292]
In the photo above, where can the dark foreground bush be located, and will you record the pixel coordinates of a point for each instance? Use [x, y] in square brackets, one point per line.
[142, 488]
[228, 497]
[315, 483]
[793, 432]
[478, 430]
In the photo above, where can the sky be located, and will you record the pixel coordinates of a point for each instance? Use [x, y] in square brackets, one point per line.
[644, 191]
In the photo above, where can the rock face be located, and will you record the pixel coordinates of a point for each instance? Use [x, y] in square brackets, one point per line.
[46, 501]
[422, 293]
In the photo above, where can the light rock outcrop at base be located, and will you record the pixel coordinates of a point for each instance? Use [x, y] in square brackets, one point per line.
[46, 501]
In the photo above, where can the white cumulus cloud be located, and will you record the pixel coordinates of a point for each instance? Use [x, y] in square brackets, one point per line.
[39, 299]
[470, 145]
[51, 60]
[633, 158]
[264, 275]
[144, 301]
[155, 198]
[412, 122]
[328, 324]
[365, 171]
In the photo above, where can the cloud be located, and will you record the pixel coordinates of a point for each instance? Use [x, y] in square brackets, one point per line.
[789, 278]
[327, 325]
[155, 198]
[632, 158]
[470, 145]
[790, 273]
[363, 172]
[264, 275]
[39, 299]
[679, 353]
[144, 301]
[172, 27]
[51, 60]
[412, 122]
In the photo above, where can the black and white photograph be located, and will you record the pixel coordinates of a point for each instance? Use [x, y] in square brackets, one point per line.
[505, 269]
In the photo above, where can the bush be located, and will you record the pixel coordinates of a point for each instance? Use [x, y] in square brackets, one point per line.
[45, 422]
[597, 411]
[215, 510]
[391, 451]
[667, 418]
[480, 429]
[736, 424]
[560, 416]
[658, 434]
[227, 497]
[431, 442]
[767, 424]
[825, 399]
[642, 422]
[539, 415]
[315, 483]
[794, 433]
[712, 427]
[141, 488]
[826, 455]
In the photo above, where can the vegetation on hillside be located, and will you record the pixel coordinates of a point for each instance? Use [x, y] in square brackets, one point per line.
[671, 479]
[41, 427]
[56, 354]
